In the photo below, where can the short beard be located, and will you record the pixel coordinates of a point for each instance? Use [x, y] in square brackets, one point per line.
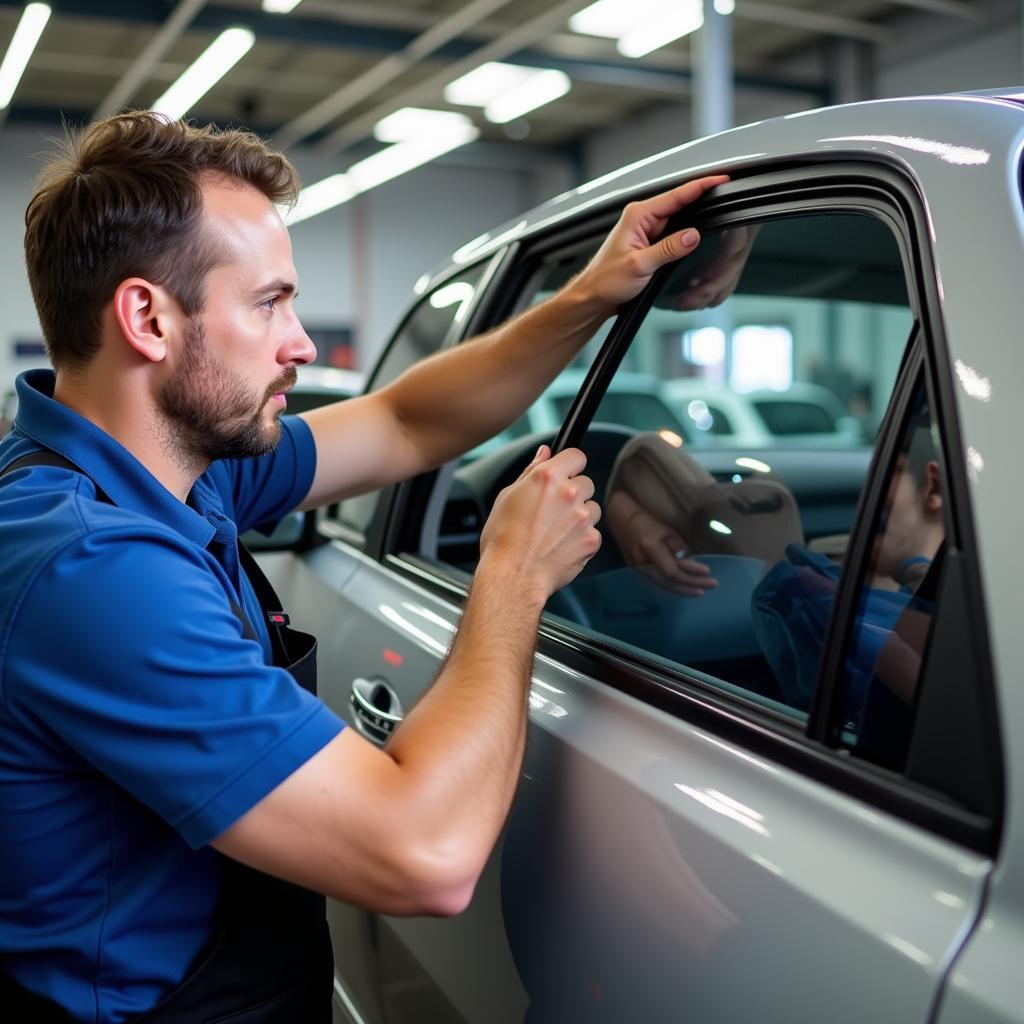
[210, 413]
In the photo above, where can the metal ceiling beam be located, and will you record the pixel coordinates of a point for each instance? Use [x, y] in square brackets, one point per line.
[293, 82]
[812, 21]
[142, 67]
[387, 71]
[954, 8]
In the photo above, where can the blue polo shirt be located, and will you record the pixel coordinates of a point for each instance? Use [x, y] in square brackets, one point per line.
[136, 721]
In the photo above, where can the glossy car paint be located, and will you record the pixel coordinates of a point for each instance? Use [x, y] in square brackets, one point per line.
[652, 870]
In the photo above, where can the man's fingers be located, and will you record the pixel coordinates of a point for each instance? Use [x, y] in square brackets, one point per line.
[581, 488]
[569, 462]
[667, 250]
[668, 203]
[543, 454]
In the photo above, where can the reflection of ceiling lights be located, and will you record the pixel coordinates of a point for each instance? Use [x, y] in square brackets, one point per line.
[26, 35]
[206, 71]
[388, 163]
[507, 91]
[641, 26]
[458, 291]
[419, 123]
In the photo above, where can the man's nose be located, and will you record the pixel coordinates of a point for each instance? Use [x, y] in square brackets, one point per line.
[298, 348]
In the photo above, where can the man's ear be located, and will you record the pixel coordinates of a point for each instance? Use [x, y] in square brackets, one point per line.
[146, 315]
[933, 490]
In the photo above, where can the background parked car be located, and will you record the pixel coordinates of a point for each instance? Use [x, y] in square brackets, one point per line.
[321, 385]
[733, 808]
[800, 415]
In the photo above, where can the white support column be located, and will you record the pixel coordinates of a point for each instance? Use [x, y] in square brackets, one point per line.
[712, 112]
[711, 47]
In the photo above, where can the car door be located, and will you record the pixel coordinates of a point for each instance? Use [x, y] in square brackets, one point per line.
[730, 808]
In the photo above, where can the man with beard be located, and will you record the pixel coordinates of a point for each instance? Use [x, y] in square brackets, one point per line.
[172, 794]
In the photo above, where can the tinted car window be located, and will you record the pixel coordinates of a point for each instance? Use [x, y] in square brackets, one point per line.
[697, 538]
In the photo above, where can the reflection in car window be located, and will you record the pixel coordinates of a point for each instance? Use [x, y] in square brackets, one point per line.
[897, 600]
[695, 529]
[422, 334]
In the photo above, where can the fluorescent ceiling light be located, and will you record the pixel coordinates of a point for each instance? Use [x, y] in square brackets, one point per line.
[507, 91]
[280, 6]
[541, 88]
[323, 195]
[405, 156]
[209, 68]
[641, 26]
[614, 18]
[480, 86]
[419, 123]
[389, 163]
[26, 35]
[680, 20]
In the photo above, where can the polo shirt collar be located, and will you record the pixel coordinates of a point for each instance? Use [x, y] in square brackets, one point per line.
[110, 465]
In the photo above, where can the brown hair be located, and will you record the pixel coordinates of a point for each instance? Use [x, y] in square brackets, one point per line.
[122, 199]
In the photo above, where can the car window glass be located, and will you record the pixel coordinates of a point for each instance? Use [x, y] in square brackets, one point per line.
[694, 528]
[897, 600]
[422, 334]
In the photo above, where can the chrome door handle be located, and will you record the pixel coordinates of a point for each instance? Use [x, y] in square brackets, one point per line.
[376, 708]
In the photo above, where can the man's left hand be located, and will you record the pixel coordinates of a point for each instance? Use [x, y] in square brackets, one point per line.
[636, 248]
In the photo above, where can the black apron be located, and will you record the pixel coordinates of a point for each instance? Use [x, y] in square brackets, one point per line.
[269, 960]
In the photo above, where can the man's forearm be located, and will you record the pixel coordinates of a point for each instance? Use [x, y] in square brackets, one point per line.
[458, 398]
[473, 721]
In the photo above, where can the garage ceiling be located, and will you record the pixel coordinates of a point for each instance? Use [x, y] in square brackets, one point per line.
[326, 72]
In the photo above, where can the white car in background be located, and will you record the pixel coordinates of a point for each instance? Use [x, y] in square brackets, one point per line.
[802, 416]
[321, 385]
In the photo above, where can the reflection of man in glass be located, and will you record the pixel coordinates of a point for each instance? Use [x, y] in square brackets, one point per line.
[791, 606]
[912, 529]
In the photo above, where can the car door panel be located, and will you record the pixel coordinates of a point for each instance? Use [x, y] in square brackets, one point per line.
[428, 970]
[649, 864]
[653, 865]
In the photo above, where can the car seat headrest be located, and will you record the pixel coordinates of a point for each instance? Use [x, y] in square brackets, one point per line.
[757, 518]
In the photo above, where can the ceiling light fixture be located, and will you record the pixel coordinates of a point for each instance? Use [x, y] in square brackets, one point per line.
[507, 91]
[641, 26]
[541, 88]
[280, 6]
[419, 123]
[205, 72]
[23, 43]
[394, 160]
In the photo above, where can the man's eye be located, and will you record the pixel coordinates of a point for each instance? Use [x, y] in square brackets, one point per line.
[270, 303]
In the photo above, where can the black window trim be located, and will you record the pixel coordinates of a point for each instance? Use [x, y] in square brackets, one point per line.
[835, 186]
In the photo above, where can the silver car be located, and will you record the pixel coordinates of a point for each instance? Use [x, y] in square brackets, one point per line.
[800, 796]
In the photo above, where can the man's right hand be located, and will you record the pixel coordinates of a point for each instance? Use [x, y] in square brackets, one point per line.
[542, 528]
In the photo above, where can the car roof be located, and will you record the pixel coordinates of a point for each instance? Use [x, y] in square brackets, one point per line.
[959, 130]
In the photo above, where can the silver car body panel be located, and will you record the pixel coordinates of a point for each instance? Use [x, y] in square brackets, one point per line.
[653, 870]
